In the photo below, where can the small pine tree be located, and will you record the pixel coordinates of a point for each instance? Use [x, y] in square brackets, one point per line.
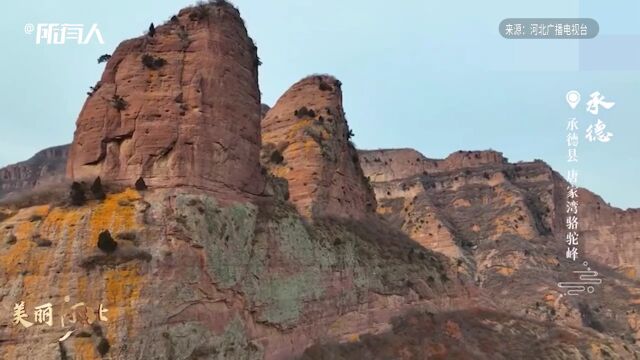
[103, 346]
[152, 30]
[106, 242]
[350, 134]
[141, 185]
[152, 62]
[104, 58]
[118, 102]
[276, 157]
[77, 194]
[97, 190]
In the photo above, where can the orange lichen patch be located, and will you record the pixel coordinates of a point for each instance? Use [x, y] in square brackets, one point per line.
[122, 284]
[122, 291]
[298, 126]
[64, 224]
[507, 225]
[552, 260]
[292, 132]
[24, 230]
[310, 146]
[353, 338]
[17, 258]
[506, 271]
[76, 228]
[629, 272]
[111, 215]
[306, 145]
[280, 171]
[635, 302]
[41, 210]
[595, 350]
[550, 299]
[384, 210]
[84, 348]
[452, 329]
[18, 253]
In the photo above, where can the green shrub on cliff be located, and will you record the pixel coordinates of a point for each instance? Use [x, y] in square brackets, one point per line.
[153, 62]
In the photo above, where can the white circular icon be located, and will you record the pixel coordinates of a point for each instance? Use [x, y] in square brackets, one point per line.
[28, 29]
[573, 98]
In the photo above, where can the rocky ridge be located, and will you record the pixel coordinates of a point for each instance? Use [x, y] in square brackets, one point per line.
[47, 167]
[505, 224]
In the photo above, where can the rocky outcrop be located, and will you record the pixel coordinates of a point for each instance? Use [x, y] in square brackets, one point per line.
[179, 108]
[466, 199]
[613, 234]
[192, 278]
[44, 168]
[394, 164]
[306, 141]
[505, 225]
[407, 185]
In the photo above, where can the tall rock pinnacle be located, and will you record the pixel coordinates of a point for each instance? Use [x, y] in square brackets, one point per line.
[306, 141]
[181, 108]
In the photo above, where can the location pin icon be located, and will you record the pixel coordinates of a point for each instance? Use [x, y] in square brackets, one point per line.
[573, 98]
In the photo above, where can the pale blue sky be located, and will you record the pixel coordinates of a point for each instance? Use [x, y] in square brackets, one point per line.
[432, 75]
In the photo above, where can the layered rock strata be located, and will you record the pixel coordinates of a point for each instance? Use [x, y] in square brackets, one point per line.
[47, 167]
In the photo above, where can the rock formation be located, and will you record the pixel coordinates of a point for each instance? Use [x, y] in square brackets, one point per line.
[405, 181]
[613, 234]
[47, 167]
[394, 164]
[191, 278]
[181, 108]
[306, 141]
[431, 200]
[505, 225]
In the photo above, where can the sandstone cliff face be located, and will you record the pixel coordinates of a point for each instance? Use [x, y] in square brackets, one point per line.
[192, 278]
[394, 164]
[505, 225]
[306, 142]
[181, 108]
[404, 183]
[44, 168]
[613, 234]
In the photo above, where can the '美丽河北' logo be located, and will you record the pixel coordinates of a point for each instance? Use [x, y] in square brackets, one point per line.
[60, 34]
